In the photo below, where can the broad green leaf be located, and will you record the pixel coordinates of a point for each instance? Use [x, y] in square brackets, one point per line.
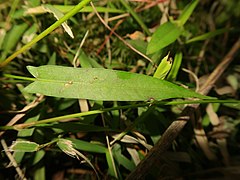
[163, 68]
[207, 35]
[102, 84]
[188, 10]
[166, 34]
[24, 146]
[175, 67]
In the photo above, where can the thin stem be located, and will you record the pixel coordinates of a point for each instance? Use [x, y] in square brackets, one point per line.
[20, 77]
[76, 115]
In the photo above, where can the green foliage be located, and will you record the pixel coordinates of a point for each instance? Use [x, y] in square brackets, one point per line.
[82, 110]
[163, 36]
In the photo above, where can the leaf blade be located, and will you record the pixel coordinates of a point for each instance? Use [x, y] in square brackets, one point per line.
[166, 34]
[102, 84]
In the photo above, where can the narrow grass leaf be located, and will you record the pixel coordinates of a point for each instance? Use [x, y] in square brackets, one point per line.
[175, 67]
[38, 156]
[40, 173]
[121, 159]
[166, 34]
[207, 35]
[24, 146]
[111, 165]
[12, 38]
[102, 84]
[188, 10]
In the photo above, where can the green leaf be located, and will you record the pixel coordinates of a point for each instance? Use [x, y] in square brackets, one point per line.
[164, 67]
[86, 146]
[207, 35]
[121, 159]
[166, 34]
[188, 10]
[24, 146]
[102, 84]
[111, 165]
[175, 67]
[28, 132]
[12, 38]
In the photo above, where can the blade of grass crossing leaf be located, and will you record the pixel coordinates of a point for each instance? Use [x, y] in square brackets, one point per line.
[165, 34]
[102, 84]
[175, 67]
[164, 67]
[188, 10]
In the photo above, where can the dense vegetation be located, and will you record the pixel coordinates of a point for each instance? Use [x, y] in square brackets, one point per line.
[90, 97]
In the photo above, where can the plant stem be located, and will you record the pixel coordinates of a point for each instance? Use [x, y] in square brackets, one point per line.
[56, 119]
[20, 77]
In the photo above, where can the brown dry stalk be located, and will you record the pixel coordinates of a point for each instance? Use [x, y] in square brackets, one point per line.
[157, 152]
[120, 38]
